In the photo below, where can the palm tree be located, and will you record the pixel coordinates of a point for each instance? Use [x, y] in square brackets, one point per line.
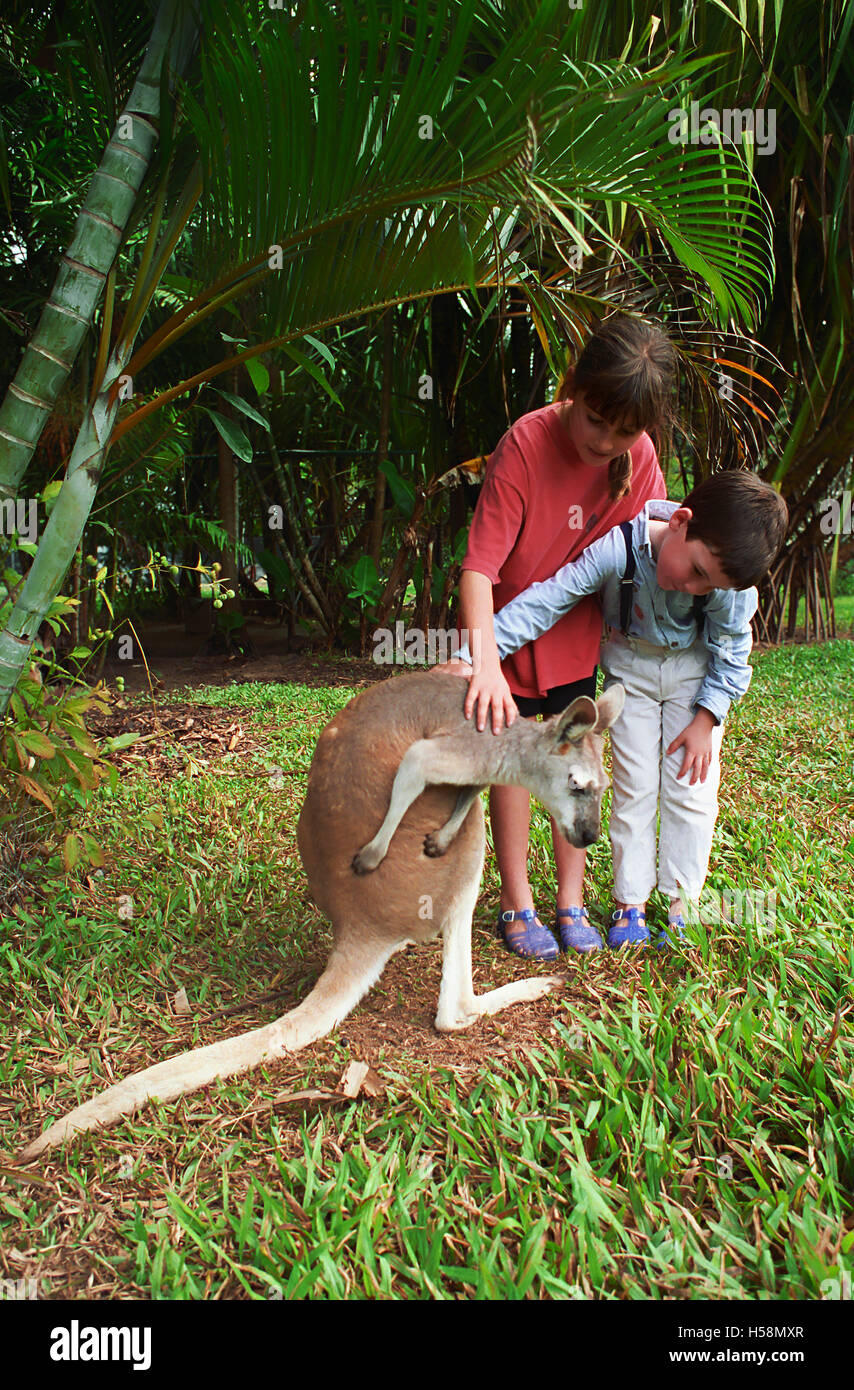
[355, 158]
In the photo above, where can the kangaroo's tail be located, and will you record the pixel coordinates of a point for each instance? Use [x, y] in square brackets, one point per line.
[351, 971]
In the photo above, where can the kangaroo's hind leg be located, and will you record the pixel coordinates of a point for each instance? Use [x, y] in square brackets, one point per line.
[459, 1006]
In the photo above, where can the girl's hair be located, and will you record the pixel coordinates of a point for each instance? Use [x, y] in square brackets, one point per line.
[627, 371]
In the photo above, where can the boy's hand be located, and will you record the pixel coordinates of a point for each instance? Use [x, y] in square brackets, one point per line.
[487, 687]
[696, 739]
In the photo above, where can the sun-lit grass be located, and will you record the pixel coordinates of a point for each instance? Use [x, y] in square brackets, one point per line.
[688, 1133]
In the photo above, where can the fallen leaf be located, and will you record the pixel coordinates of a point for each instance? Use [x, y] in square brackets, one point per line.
[285, 1097]
[373, 1084]
[180, 1002]
[358, 1077]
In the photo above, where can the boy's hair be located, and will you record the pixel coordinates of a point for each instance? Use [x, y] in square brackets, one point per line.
[627, 371]
[743, 522]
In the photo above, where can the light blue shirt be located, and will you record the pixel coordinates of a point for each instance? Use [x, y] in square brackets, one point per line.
[662, 617]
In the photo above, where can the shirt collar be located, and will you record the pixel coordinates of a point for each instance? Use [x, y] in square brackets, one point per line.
[656, 509]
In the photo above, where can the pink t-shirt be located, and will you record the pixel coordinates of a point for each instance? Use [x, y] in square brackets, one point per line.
[540, 505]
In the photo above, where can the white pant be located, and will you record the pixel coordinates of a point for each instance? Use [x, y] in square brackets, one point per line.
[661, 686]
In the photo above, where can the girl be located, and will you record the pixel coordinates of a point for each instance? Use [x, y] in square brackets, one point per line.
[561, 477]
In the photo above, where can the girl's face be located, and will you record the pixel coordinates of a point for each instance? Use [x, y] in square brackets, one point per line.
[597, 440]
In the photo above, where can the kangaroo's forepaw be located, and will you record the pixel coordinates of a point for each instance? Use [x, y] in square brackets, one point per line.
[434, 845]
[366, 860]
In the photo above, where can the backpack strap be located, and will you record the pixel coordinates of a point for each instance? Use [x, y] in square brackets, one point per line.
[627, 581]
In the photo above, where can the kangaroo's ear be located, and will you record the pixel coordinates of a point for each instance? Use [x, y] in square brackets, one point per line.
[575, 721]
[609, 707]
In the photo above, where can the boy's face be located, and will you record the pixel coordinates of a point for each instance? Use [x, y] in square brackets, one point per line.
[687, 566]
[597, 440]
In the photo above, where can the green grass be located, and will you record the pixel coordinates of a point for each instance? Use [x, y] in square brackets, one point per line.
[843, 606]
[684, 1129]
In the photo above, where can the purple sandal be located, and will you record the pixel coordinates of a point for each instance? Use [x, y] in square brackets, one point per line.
[577, 934]
[673, 934]
[628, 928]
[534, 942]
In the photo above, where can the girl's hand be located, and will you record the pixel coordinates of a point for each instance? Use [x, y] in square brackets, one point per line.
[486, 688]
[454, 667]
[696, 739]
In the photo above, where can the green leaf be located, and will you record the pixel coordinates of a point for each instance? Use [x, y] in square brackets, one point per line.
[321, 348]
[232, 434]
[401, 489]
[240, 404]
[258, 375]
[312, 369]
[38, 743]
[93, 850]
[50, 494]
[364, 579]
[114, 745]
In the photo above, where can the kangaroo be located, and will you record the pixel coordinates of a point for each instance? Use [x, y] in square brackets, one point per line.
[403, 756]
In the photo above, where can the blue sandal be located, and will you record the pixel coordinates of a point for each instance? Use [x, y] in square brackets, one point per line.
[535, 942]
[628, 928]
[673, 934]
[577, 934]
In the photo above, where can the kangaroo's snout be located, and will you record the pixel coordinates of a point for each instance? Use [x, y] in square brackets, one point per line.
[582, 829]
[587, 835]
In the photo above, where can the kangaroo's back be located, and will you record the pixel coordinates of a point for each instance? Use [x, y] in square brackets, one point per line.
[349, 787]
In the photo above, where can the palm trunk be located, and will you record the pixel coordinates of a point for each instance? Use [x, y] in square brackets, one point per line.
[61, 537]
[321, 600]
[101, 228]
[68, 314]
[280, 545]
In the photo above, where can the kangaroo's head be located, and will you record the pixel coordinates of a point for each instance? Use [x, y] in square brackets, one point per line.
[570, 777]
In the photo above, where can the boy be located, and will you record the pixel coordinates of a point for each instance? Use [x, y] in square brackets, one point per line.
[679, 643]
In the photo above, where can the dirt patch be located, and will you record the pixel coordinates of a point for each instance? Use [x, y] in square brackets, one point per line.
[176, 661]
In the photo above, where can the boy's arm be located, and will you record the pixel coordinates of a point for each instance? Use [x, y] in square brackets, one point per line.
[728, 638]
[539, 607]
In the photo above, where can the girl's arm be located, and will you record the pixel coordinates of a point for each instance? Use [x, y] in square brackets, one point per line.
[487, 685]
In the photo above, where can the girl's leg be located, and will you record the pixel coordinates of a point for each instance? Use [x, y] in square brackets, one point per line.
[510, 818]
[510, 814]
[570, 864]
